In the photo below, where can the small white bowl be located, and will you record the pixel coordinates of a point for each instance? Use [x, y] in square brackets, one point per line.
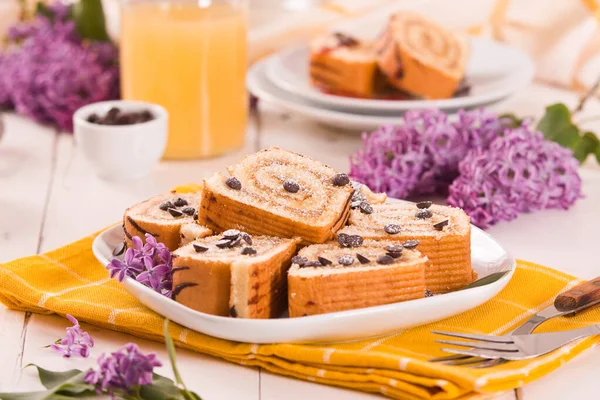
[121, 152]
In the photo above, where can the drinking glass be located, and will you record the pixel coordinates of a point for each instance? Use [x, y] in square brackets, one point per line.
[189, 56]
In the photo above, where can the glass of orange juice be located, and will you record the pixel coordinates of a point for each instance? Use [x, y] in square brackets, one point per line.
[189, 56]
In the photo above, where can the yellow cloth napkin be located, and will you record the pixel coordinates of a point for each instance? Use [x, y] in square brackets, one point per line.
[70, 280]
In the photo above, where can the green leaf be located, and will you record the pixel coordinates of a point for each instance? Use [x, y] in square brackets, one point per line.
[24, 396]
[598, 154]
[51, 379]
[567, 137]
[67, 383]
[556, 119]
[89, 20]
[187, 395]
[43, 10]
[588, 144]
[515, 121]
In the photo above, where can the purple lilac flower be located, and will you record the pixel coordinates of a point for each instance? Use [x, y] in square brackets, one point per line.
[47, 71]
[123, 369]
[149, 263]
[76, 341]
[519, 172]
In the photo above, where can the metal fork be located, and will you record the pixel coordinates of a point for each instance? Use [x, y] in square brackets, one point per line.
[585, 294]
[514, 347]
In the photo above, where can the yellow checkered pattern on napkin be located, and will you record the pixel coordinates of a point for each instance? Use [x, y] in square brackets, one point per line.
[70, 280]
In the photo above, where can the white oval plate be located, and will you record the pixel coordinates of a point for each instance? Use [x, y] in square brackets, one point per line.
[494, 71]
[487, 257]
[265, 90]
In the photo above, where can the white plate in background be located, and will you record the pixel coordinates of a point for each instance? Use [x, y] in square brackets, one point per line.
[495, 71]
[487, 257]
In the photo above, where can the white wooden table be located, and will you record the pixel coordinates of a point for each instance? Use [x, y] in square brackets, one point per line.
[49, 197]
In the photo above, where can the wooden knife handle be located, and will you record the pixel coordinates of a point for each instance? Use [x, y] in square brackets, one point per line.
[579, 296]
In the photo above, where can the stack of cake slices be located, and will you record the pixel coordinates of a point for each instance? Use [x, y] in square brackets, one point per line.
[412, 55]
[279, 230]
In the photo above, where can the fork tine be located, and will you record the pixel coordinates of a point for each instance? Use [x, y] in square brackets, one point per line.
[508, 347]
[483, 338]
[470, 362]
[491, 354]
[448, 358]
[490, 363]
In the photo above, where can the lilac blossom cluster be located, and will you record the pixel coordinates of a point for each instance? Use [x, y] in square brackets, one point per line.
[490, 169]
[47, 72]
[124, 369]
[75, 342]
[149, 263]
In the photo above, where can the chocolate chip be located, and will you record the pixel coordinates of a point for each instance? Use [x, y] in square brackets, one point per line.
[355, 204]
[233, 312]
[346, 260]
[120, 249]
[233, 183]
[410, 244]
[366, 208]
[199, 248]
[392, 229]
[166, 205]
[246, 237]
[291, 186]
[394, 248]
[179, 202]
[350, 240]
[223, 243]
[324, 261]
[423, 214]
[175, 212]
[362, 259]
[248, 251]
[428, 293]
[315, 263]
[345, 40]
[188, 210]
[196, 215]
[394, 255]
[385, 259]
[299, 260]
[93, 118]
[231, 234]
[424, 204]
[340, 180]
[440, 225]
[235, 242]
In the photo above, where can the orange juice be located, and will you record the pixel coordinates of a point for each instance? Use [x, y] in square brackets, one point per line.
[191, 60]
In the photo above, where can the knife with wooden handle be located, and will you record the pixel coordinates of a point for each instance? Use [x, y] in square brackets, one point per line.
[572, 301]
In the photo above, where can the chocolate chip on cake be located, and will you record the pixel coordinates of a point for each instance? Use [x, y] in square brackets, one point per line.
[179, 202]
[423, 214]
[341, 238]
[248, 251]
[353, 241]
[175, 212]
[424, 204]
[166, 205]
[340, 180]
[428, 293]
[188, 210]
[233, 312]
[196, 215]
[356, 204]
[324, 261]
[291, 186]
[233, 183]
[246, 237]
[315, 263]
[366, 208]
[392, 229]
[299, 260]
[200, 248]
[120, 249]
[394, 250]
[231, 234]
[345, 40]
[223, 243]
[346, 260]
[440, 225]
[410, 244]
[362, 259]
[235, 242]
[385, 259]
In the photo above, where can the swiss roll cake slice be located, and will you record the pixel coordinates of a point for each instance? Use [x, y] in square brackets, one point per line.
[345, 275]
[278, 193]
[420, 57]
[163, 216]
[441, 233]
[233, 274]
[340, 64]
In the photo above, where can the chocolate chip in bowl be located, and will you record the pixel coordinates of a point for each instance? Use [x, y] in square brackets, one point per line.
[115, 116]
